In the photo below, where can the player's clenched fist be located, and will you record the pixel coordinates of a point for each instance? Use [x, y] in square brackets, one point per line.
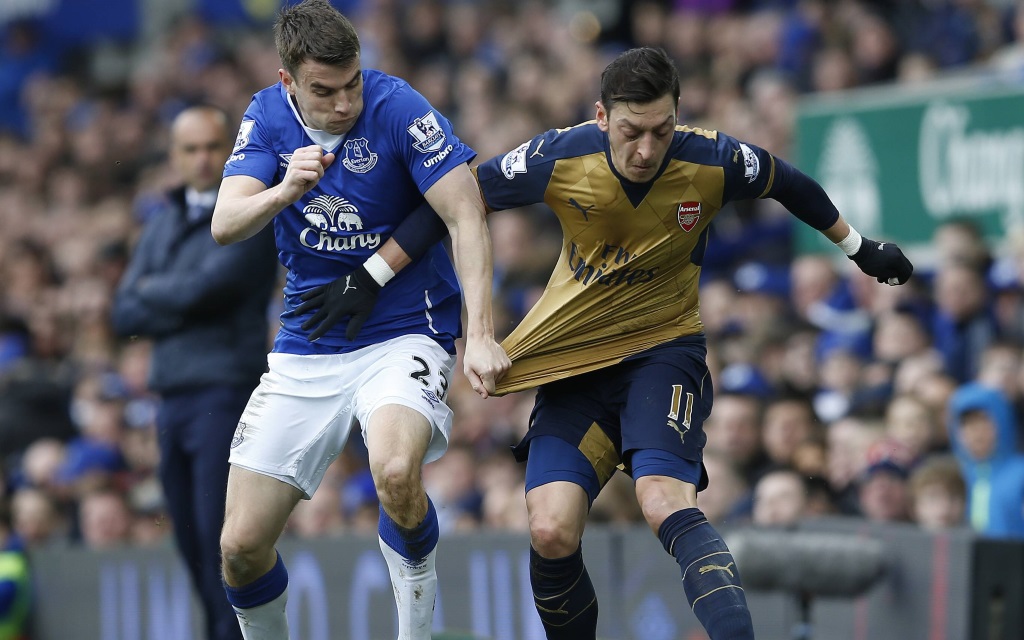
[484, 364]
[304, 170]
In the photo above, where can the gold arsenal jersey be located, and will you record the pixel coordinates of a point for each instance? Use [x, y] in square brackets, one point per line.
[626, 279]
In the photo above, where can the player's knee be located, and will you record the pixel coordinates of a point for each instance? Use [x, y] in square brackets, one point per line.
[660, 497]
[552, 536]
[241, 551]
[395, 477]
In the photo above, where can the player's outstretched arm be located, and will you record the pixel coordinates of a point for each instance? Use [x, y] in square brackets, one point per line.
[245, 205]
[457, 199]
[805, 199]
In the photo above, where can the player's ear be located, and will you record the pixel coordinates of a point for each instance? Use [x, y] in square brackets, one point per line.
[287, 80]
[601, 117]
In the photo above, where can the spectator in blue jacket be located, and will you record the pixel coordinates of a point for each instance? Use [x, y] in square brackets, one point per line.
[983, 436]
[205, 308]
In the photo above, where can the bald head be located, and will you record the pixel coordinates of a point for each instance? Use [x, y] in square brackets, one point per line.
[200, 143]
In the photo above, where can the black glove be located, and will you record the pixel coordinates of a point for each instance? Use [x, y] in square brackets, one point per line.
[350, 295]
[884, 261]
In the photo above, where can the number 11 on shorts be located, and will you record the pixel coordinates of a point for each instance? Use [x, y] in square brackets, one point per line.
[673, 411]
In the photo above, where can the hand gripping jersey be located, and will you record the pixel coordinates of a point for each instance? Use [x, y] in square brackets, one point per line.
[627, 276]
[397, 149]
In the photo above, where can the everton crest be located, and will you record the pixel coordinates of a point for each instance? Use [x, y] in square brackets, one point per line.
[358, 157]
[688, 215]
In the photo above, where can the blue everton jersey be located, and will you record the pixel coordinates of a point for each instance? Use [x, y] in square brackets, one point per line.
[397, 149]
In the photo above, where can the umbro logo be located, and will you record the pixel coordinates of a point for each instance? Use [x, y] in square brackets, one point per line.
[286, 159]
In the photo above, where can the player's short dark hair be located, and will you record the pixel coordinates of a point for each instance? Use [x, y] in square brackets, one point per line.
[639, 75]
[314, 30]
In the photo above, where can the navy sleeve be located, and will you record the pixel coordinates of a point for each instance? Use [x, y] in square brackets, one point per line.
[802, 196]
[221, 278]
[130, 314]
[420, 230]
[749, 169]
[521, 176]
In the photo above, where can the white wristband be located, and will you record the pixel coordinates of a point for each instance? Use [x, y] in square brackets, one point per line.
[378, 269]
[851, 243]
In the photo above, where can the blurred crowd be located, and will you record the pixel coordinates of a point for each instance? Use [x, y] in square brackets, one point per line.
[833, 394]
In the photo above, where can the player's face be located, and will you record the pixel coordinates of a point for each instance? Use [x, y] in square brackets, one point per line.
[639, 135]
[329, 98]
[199, 147]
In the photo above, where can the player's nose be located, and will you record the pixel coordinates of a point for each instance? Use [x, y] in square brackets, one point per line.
[645, 148]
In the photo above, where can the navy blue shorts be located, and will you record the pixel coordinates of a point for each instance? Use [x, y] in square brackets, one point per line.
[654, 402]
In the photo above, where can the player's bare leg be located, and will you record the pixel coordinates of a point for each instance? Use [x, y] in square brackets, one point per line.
[255, 578]
[397, 439]
[710, 578]
[562, 590]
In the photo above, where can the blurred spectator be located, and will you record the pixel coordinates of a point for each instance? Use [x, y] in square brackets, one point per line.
[780, 498]
[105, 520]
[37, 521]
[787, 423]
[983, 436]
[960, 241]
[899, 335]
[999, 368]
[810, 456]
[963, 326]
[320, 516]
[848, 442]
[734, 430]
[938, 494]
[452, 485]
[909, 422]
[883, 492]
[23, 53]
[727, 494]
[617, 502]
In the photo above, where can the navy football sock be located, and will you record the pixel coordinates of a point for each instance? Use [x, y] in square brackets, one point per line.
[710, 578]
[564, 596]
[412, 544]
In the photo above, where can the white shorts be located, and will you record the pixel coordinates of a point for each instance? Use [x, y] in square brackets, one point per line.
[299, 417]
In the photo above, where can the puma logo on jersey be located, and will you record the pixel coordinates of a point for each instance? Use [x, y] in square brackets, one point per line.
[536, 152]
[582, 210]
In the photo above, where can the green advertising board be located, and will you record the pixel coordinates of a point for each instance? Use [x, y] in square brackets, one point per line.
[899, 163]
